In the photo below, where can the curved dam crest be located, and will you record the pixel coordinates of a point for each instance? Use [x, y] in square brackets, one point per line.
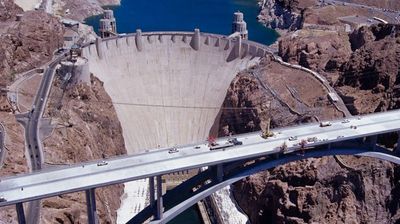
[168, 87]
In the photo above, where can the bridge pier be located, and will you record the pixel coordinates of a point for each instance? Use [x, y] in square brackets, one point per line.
[397, 150]
[20, 213]
[152, 191]
[220, 173]
[91, 206]
[160, 207]
[372, 140]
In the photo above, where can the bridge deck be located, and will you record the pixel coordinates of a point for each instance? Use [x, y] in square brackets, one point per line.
[126, 168]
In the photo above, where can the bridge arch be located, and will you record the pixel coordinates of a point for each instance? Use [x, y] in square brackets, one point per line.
[381, 154]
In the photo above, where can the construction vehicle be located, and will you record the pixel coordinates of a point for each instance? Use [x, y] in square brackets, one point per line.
[267, 133]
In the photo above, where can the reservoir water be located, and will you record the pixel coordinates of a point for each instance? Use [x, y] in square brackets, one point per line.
[212, 16]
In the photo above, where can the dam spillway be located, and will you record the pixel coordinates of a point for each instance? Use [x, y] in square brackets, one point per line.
[168, 87]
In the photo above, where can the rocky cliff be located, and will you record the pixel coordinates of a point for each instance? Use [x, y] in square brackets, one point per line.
[87, 128]
[362, 65]
[316, 49]
[323, 190]
[287, 96]
[281, 14]
[8, 10]
[27, 44]
[369, 81]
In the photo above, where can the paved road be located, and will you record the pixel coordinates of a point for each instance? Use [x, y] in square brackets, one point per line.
[31, 122]
[127, 168]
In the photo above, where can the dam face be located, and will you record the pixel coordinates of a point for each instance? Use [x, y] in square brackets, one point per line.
[167, 88]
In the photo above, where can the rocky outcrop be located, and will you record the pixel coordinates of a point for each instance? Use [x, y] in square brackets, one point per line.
[323, 191]
[272, 91]
[281, 14]
[28, 44]
[87, 129]
[316, 49]
[8, 10]
[370, 79]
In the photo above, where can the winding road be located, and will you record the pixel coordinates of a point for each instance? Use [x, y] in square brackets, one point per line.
[31, 122]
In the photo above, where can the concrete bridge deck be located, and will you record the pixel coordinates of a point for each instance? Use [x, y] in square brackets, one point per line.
[85, 176]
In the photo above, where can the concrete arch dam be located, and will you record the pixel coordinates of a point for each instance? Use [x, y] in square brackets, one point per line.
[168, 87]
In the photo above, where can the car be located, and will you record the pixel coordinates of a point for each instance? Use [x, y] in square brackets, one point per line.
[325, 124]
[173, 150]
[345, 121]
[292, 138]
[197, 147]
[102, 163]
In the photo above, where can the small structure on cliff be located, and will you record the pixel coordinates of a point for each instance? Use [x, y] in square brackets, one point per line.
[75, 70]
[108, 25]
[239, 25]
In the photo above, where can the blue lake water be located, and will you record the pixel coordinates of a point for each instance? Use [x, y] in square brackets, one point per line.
[212, 16]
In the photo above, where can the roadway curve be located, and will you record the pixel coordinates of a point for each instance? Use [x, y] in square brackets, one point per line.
[175, 211]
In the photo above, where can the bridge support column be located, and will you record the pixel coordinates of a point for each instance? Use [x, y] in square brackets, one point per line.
[372, 140]
[91, 206]
[160, 207]
[152, 191]
[397, 150]
[220, 173]
[20, 213]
